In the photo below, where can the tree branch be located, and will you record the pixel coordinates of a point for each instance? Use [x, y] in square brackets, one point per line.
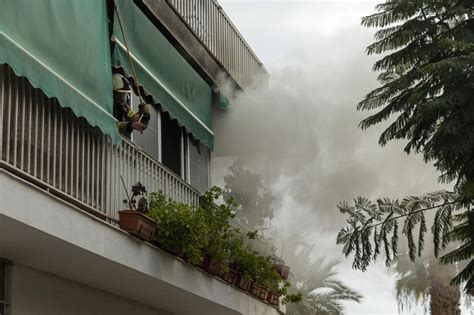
[413, 212]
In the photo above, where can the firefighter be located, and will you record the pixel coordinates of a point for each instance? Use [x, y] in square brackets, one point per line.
[128, 119]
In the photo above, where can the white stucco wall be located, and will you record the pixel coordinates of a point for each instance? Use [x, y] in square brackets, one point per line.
[39, 293]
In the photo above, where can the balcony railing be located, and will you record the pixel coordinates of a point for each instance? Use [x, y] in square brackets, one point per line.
[67, 156]
[257, 244]
[52, 148]
[212, 26]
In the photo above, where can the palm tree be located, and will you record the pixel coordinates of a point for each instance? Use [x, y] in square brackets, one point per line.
[322, 292]
[316, 279]
[426, 281]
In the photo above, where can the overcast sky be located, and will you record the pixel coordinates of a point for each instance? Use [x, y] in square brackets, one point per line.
[306, 123]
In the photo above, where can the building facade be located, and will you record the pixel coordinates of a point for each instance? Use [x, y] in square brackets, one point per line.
[62, 161]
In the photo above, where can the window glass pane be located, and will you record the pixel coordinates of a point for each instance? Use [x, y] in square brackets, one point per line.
[2, 309]
[171, 143]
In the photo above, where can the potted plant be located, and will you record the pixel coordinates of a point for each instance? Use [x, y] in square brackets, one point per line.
[134, 220]
[243, 282]
[220, 233]
[229, 276]
[243, 262]
[273, 298]
[182, 229]
[214, 266]
[268, 279]
[263, 293]
[283, 270]
[255, 288]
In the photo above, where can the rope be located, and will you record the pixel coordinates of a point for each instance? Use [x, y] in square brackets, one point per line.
[128, 53]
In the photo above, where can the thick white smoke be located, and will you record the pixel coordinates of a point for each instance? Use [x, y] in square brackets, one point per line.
[301, 132]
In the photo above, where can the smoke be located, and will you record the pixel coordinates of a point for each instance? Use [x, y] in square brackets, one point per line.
[301, 131]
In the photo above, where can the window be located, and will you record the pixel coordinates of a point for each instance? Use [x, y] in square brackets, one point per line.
[198, 165]
[163, 139]
[171, 144]
[148, 141]
[4, 294]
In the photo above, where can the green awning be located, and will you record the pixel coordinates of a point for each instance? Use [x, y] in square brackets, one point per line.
[163, 72]
[223, 101]
[62, 48]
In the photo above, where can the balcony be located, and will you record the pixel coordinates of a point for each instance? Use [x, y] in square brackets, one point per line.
[215, 30]
[62, 154]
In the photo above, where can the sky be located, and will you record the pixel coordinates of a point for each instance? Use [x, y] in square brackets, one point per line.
[301, 131]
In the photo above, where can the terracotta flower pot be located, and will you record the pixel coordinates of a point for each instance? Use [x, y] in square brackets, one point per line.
[273, 298]
[255, 288]
[243, 283]
[283, 270]
[229, 276]
[212, 265]
[137, 224]
[263, 293]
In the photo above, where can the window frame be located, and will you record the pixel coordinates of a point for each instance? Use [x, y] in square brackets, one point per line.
[208, 162]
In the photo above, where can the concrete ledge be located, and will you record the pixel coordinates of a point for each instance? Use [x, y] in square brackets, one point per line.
[41, 231]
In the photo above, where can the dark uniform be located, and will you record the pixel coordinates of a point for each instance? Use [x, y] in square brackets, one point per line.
[128, 119]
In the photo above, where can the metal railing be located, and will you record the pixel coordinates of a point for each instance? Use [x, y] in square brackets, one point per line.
[257, 244]
[67, 156]
[135, 166]
[213, 27]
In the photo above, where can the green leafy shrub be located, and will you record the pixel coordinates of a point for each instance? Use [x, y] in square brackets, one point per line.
[206, 231]
[180, 227]
[244, 261]
[267, 275]
[217, 220]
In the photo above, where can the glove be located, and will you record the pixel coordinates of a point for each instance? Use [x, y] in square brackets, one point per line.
[144, 113]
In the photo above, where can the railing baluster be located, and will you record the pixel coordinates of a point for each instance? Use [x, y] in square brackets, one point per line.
[74, 155]
[94, 172]
[53, 152]
[60, 170]
[15, 129]
[21, 133]
[8, 118]
[48, 110]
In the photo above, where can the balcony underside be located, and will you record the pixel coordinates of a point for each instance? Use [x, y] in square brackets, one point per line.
[47, 234]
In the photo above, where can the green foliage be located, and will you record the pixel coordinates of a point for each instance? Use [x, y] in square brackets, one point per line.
[267, 275]
[321, 292]
[293, 298]
[260, 269]
[463, 234]
[427, 81]
[217, 219]
[180, 227]
[244, 261]
[412, 284]
[252, 198]
[206, 231]
[426, 281]
[374, 225]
